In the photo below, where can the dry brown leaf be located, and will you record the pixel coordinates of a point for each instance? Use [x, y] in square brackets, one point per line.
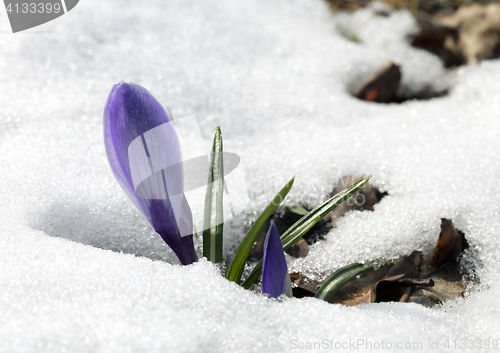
[381, 86]
[411, 279]
[450, 244]
[302, 287]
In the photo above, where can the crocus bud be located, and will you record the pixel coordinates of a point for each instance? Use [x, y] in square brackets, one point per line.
[275, 278]
[144, 154]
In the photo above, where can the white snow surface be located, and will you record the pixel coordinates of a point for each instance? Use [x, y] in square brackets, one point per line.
[82, 270]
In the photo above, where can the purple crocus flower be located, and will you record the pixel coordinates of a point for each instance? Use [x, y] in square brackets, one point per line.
[275, 278]
[144, 153]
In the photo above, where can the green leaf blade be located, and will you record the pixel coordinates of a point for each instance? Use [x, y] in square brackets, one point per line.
[296, 231]
[235, 270]
[299, 228]
[213, 213]
[339, 278]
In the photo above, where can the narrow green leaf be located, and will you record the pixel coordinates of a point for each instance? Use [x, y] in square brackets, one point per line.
[298, 210]
[296, 231]
[343, 275]
[339, 278]
[213, 214]
[299, 228]
[240, 257]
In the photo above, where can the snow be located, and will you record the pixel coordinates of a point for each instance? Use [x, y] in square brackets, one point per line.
[389, 35]
[82, 271]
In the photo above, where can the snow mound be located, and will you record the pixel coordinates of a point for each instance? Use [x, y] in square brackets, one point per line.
[82, 271]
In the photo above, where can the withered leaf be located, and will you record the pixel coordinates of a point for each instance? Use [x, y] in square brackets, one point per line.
[381, 86]
[411, 279]
[450, 244]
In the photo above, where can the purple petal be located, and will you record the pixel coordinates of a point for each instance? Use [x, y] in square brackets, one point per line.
[145, 157]
[275, 278]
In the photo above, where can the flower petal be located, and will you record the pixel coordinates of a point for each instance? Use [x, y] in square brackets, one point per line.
[275, 278]
[144, 154]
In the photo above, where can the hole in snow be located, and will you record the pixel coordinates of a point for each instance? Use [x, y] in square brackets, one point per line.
[385, 86]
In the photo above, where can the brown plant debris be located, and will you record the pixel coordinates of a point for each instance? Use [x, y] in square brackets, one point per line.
[469, 35]
[450, 244]
[382, 86]
[428, 279]
[392, 289]
[434, 37]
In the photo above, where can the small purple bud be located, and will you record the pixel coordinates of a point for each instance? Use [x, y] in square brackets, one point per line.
[275, 278]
